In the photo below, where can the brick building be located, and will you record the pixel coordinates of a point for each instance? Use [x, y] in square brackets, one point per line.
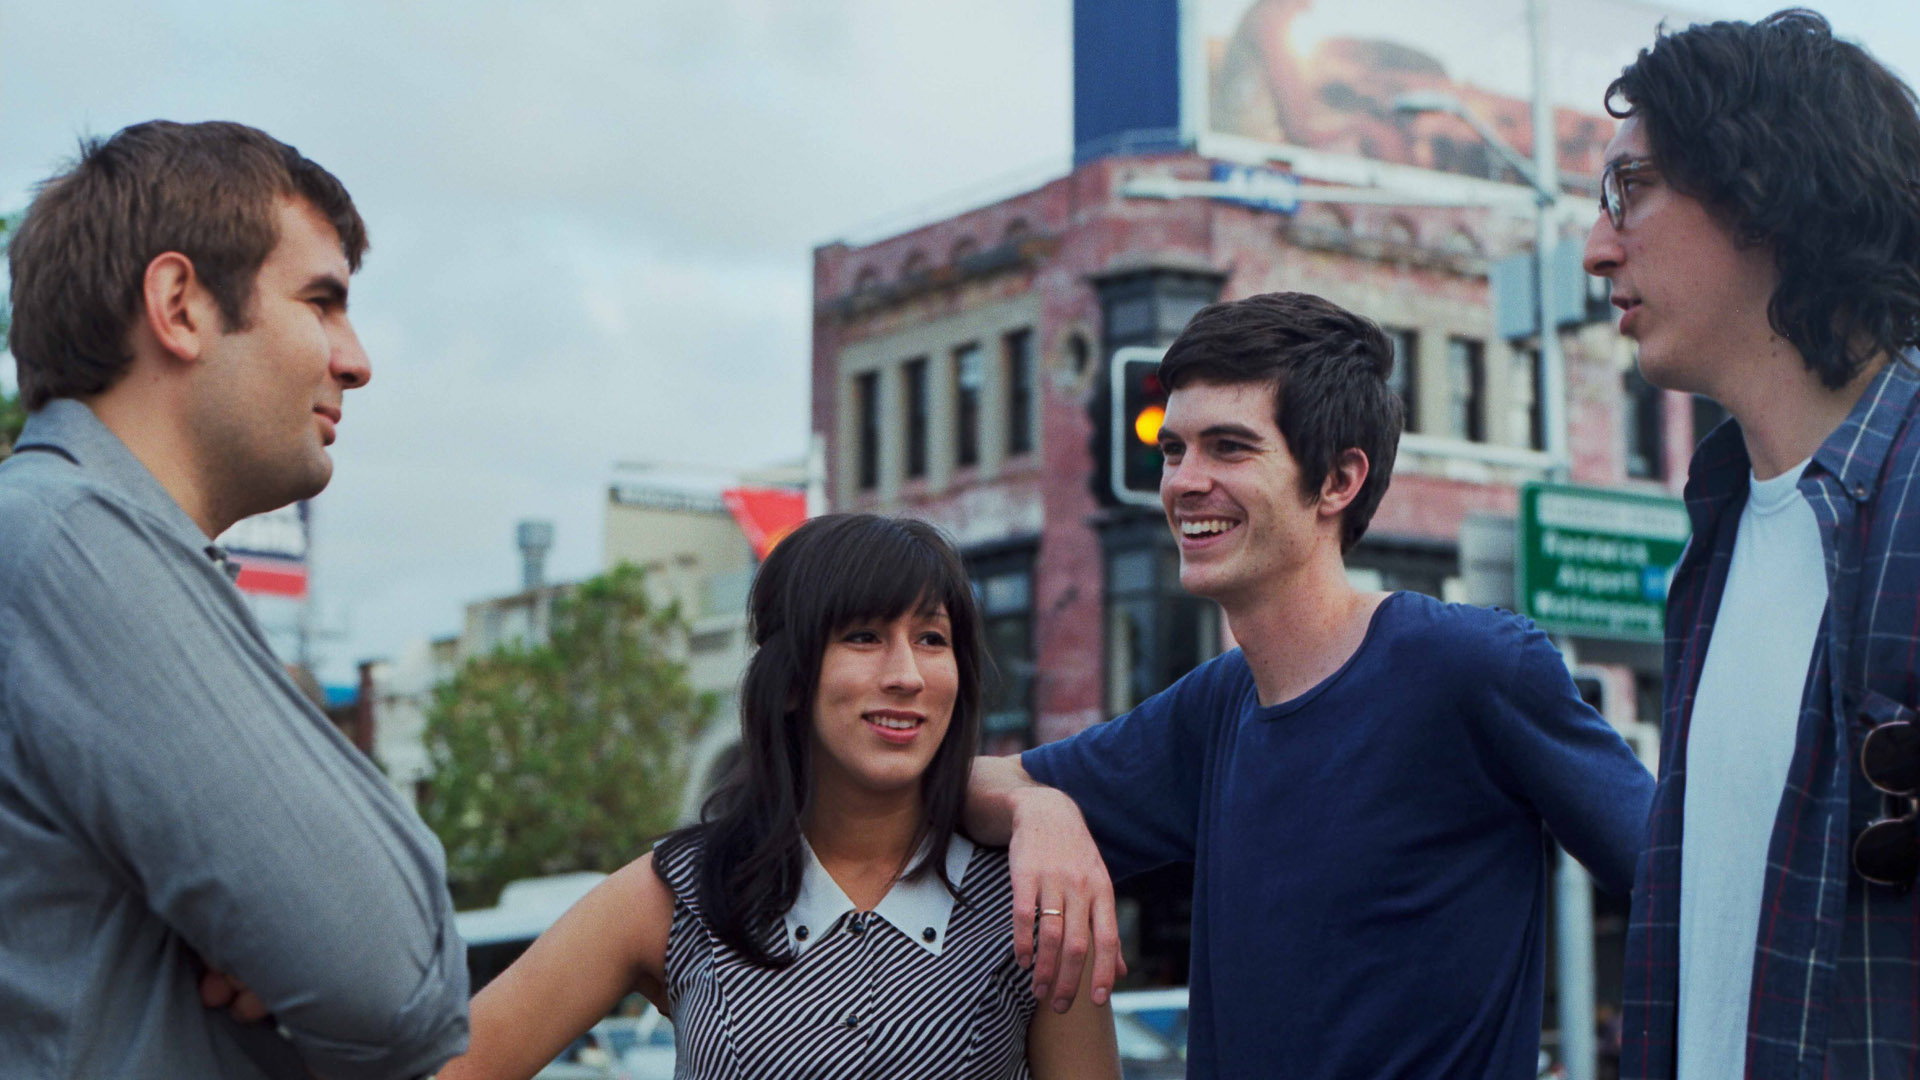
[954, 367]
[957, 368]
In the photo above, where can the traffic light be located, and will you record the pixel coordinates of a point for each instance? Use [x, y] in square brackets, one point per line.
[1139, 404]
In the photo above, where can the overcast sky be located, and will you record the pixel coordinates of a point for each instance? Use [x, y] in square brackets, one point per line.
[592, 223]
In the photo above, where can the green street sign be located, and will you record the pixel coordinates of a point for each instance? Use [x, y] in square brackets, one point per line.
[1595, 562]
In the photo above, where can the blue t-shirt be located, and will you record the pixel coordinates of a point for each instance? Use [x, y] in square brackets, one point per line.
[1370, 878]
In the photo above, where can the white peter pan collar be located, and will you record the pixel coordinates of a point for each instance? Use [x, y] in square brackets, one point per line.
[919, 909]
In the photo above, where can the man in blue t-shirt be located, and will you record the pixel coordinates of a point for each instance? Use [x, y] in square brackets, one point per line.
[1363, 786]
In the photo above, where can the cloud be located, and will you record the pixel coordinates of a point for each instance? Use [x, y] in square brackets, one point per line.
[592, 223]
[592, 227]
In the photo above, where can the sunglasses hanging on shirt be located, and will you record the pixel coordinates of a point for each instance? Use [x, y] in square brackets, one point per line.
[1888, 851]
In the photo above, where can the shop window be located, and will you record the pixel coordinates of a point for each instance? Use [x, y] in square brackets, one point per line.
[1003, 586]
[1707, 415]
[1646, 425]
[1156, 632]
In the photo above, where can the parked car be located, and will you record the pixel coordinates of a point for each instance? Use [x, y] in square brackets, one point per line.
[642, 1046]
[1150, 1027]
[618, 1048]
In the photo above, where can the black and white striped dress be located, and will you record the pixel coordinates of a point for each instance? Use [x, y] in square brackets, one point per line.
[864, 999]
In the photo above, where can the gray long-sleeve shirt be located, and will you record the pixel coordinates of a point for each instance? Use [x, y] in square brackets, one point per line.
[166, 793]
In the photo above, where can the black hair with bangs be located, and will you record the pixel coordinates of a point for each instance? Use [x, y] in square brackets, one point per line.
[830, 573]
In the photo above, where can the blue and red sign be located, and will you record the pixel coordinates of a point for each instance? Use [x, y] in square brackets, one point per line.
[271, 550]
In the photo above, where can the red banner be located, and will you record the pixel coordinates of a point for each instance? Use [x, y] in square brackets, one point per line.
[272, 577]
[766, 515]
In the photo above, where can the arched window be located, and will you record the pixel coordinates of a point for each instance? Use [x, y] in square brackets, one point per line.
[1460, 242]
[1079, 353]
[1322, 217]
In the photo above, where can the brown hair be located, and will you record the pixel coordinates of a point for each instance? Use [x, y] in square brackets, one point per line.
[1328, 369]
[207, 191]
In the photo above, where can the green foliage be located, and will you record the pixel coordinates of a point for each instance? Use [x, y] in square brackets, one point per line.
[12, 416]
[569, 755]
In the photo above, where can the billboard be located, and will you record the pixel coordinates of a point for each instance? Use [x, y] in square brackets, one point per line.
[271, 551]
[1266, 79]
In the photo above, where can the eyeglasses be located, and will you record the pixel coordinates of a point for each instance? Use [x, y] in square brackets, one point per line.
[1615, 179]
[1888, 852]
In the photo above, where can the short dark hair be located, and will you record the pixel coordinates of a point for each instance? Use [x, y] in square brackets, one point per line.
[1328, 369]
[79, 259]
[830, 573]
[1802, 142]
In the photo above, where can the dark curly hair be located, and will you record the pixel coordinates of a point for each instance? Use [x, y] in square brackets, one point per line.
[1328, 369]
[1804, 143]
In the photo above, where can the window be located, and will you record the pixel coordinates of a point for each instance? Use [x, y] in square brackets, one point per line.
[1019, 357]
[1130, 619]
[1156, 632]
[1003, 585]
[1523, 397]
[866, 406]
[1404, 379]
[1707, 415]
[1646, 427]
[914, 385]
[1466, 390]
[968, 377]
[1460, 242]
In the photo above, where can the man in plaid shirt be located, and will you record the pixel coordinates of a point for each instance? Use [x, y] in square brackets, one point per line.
[1761, 228]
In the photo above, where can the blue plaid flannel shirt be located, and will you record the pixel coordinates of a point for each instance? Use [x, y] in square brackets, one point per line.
[1835, 988]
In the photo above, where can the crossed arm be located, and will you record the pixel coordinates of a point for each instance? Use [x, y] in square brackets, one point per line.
[173, 750]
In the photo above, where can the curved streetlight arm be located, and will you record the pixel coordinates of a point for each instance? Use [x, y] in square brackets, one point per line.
[1418, 102]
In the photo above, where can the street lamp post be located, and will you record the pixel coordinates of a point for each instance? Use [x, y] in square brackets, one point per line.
[1574, 907]
[1542, 175]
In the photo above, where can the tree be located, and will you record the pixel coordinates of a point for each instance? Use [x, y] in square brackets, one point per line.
[567, 755]
[12, 416]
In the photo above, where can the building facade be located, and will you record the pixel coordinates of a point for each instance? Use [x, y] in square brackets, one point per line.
[958, 367]
[955, 368]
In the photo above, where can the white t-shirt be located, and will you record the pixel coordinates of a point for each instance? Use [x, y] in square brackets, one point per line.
[1740, 745]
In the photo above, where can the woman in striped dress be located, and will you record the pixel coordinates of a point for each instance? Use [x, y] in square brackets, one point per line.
[826, 919]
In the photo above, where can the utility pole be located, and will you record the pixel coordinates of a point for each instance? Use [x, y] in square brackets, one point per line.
[1574, 891]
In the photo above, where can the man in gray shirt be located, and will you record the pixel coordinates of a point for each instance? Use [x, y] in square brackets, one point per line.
[175, 818]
